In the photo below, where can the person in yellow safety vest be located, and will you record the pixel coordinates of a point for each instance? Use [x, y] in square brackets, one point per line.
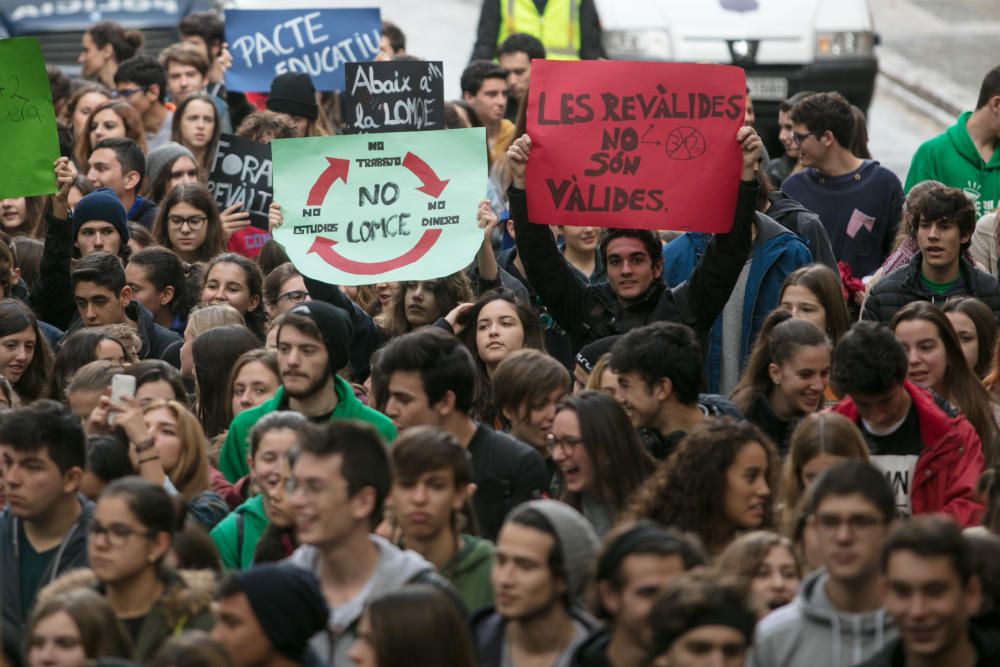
[569, 29]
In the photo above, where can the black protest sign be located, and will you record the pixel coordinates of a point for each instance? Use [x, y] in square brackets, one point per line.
[394, 96]
[241, 174]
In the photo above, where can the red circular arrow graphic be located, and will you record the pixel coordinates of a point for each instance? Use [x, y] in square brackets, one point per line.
[337, 169]
[324, 248]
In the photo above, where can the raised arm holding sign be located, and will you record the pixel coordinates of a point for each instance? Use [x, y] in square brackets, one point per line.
[634, 294]
[639, 145]
[367, 209]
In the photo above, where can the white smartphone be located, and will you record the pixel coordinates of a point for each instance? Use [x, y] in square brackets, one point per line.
[121, 385]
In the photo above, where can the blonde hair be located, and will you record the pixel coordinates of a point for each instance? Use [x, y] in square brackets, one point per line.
[127, 336]
[594, 379]
[204, 318]
[190, 474]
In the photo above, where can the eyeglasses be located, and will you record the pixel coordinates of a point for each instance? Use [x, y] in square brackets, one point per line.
[129, 92]
[117, 534]
[567, 443]
[193, 221]
[295, 296]
[802, 136]
[858, 523]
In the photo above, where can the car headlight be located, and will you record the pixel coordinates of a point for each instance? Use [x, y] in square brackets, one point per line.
[844, 44]
[637, 44]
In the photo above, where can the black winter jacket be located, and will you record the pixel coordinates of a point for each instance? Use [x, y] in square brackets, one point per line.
[903, 286]
[590, 312]
[72, 554]
[806, 225]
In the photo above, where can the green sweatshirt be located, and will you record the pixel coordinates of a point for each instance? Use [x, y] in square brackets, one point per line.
[469, 572]
[233, 457]
[226, 534]
[952, 158]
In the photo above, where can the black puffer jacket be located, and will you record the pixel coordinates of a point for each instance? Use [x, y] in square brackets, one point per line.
[590, 312]
[903, 286]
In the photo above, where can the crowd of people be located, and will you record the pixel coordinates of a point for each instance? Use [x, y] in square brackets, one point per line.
[774, 446]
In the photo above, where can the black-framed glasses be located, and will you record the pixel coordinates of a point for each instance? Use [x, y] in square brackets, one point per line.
[193, 221]
[117, 534]
[129, 92]
[295, 296]
[567, 443]
[802, 136]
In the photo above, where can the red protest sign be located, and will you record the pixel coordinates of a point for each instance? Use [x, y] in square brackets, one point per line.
[634, 144]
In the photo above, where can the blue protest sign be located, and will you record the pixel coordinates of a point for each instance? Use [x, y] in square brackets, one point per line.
[266, 43]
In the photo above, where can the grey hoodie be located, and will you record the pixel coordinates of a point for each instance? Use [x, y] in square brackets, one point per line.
[395, 568]
[810, 631]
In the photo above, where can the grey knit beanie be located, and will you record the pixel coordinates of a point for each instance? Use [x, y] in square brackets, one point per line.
[576, 540]
[159, 158]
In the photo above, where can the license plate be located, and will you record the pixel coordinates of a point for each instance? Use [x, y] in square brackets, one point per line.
[774, 88]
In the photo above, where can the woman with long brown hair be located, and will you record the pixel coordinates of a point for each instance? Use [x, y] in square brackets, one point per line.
[113, 119]
[936, 361]
[599, 455]
[786, 376]
[813, 293]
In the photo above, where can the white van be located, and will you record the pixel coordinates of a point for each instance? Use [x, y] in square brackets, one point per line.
[785, 46]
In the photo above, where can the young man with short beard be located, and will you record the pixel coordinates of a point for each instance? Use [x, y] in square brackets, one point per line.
[313, 341]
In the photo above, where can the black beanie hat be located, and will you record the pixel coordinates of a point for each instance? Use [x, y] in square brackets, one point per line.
[293, 93]
[101, 205]
[288, 605]
[335, 327]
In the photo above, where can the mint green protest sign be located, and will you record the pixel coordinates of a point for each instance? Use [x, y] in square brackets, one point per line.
[363, 209]
[27, 121]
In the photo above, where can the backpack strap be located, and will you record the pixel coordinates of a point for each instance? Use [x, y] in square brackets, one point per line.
[239, 537]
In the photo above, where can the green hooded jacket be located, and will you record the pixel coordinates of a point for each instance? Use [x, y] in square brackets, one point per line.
[226, 535]
[952, 158]
[469, 572]
[233, 458]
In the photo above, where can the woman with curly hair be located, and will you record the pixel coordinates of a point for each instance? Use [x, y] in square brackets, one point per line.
[719, 482]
